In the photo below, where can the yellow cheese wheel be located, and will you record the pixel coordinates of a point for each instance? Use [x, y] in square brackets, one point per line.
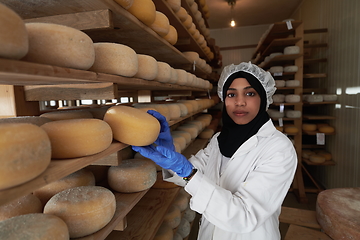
[115, 58]
[84, 209]
[174, 4]
[309, 127]
[132, 175]
[125, 3]
[161, 24]
[78, 137]
[173, 217]
[132, 126]
[14, 42]
[23, 205]
[59, 45]
[67, 114]
[25, 153]
[79, 178]
[315, 158]
[326, 129]
[172, 35]
[26, 119]
[148, 67]
[160, 183]
[164, 72]
[34, 226]
[165, 232]
[144, 10]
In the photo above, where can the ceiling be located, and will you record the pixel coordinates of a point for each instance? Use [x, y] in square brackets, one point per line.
[249, 12]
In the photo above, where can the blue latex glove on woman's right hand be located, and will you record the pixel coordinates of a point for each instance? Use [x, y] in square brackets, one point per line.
[164, 139]
[166, 158]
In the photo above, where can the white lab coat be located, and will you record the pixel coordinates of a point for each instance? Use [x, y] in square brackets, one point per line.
[244, 201]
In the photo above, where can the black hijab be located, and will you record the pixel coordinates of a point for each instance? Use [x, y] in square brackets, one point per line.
[233, 135]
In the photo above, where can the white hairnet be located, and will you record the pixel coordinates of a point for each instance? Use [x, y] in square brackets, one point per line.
[265, 78]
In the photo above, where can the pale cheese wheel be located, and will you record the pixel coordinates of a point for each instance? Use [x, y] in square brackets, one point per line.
[161, 24]
[173, 217]
[207, 133]
[314, 98]
[25, 152]
[67, 114]
[292, 98]
[79, 178]
[182, 77]
[315, 158]
[132, 175]
[115, 58]
[59, 45]
[278, 98]
[14, 42]
[78, 137]
[291, 129]
[182, 14]
[326, 129]
[21, 206]
[292, 68]
[184, 228]
[276, 69]
[291, 50]
[132, 126]
[309, 127]
[147, 67]
[164, 72]
[34, 226]
[26, 119]
[174, 110]
[84, 209]
[174, 4]
[165, 232]
[292, 83]
[144, 10]
[125, 3]
[293, 114]
[172, 35]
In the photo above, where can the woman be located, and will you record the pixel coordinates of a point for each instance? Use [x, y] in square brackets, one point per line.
[239, 181]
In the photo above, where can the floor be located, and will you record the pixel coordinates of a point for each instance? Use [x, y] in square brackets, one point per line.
[290, 201]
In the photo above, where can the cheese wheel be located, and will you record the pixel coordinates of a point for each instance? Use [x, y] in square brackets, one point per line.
[189, 215]
[184, 228]
[147, 67]
[26, 119]
[174, 76]
[173, 217]
[165, 232]
[132, 175]
[132, 126]
[172, 35]
[34, 226]
[309, 127]
[14, 41]
[160, 183]
[293, 68]
[182, 14]
[174, 110]
[182, 77]
[161, 24]
[314, 98]
[292, 98]
[293, 114]
[326, 129]
[278, 98]
[207, 133]
[23, 205]
[78, 137]
[84, 209]
[292, 83]
[292, 50]
[174, 4]
[315, 158]
[291, 129]
[59, 45]
[67, 114]
[115, 58]
[79, 178]
[164, 72]
[125, 3]
[144, 10]
[25, 153]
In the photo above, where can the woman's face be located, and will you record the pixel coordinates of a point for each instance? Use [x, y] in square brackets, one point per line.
[242, 101]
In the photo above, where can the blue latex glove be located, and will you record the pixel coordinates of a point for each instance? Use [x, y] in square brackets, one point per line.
[164, 139]
[166, 158]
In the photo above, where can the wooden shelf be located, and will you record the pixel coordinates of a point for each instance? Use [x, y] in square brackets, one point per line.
[326, 163]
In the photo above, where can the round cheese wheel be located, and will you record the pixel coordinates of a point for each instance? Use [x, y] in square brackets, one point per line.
[79, 178]
[182, 77]
[172, 35]
[160, 183]
[182, 14]
[184, 228]
[164, 72]
[292, 50]
[161, 24]
[174, 4]
[189, 215]
[293, 114]
[291, 129]
[34, 226]
[132, 175]
[278, 98]
[78, 137]
[59, 45]
[125, 3]
[279, 83]
[67, 114]
[276, 69]
[314, 98]
[292, 83]
[293, 68]
[147, 67]
[115, 58]
[326, 129]
[165, 232]
[84, 209]
[329, 97]
[173, 217]
[292, 98]
[14, 42]
[25, 152]
[144, 10]
[315, 158]
[207, 133]
[132, 126]
[23, 205]
[26, 119]
[174, 76]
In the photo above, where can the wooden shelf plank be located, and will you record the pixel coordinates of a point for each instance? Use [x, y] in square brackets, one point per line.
[55, 171]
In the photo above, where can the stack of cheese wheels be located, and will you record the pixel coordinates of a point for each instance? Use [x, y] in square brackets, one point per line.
[132, 126]
[161, 25]
[84, 209]
[67, 114]
[14, 42]
[173, 217]
[59, 45]
[34, 226]
[79, 178]
[125, 3]
[144, 10]
[115, 58]
[23, 205]
[132, 175]
[147, 67]
[26, 119]
[78, 137]
[164, 72]
[165, 232]
[25, 152]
